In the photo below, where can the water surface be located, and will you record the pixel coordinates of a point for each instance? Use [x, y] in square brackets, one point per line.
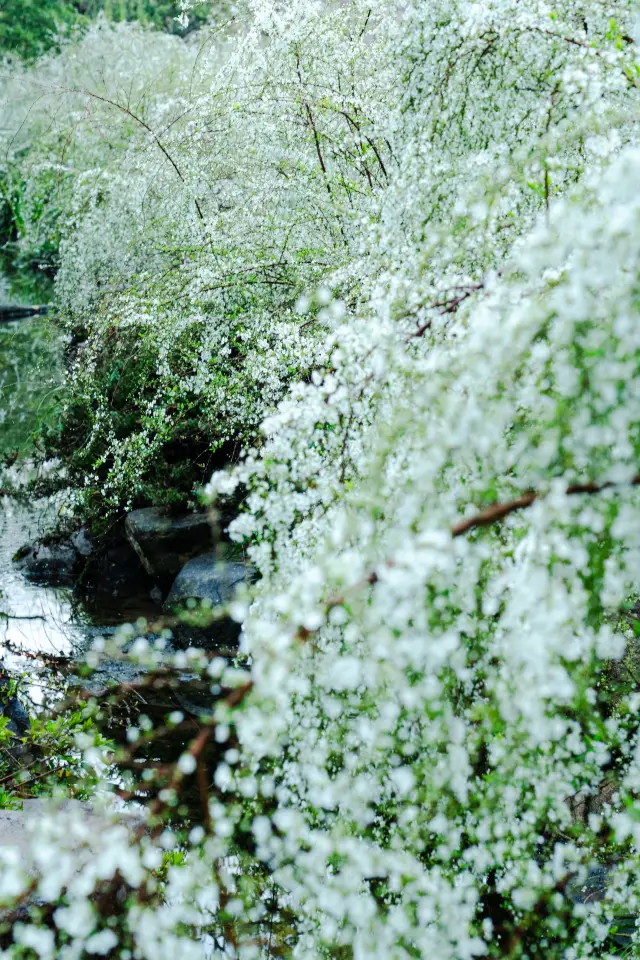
[33, 617]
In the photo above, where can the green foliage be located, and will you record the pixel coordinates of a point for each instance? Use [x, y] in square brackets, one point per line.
[123, 387]
[182, 253]
[29, 28]
[44, 759]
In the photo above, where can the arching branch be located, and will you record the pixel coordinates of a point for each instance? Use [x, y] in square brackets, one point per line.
[145, 126]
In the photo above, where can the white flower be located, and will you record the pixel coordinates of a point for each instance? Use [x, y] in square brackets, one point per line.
[187, 763]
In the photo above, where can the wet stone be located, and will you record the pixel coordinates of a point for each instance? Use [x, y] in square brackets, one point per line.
[211, 582]
[592, 888]
[49, 562]
[82, 543]
[163, 541]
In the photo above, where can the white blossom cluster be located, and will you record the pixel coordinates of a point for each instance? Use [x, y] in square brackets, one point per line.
[192, 192]
[437, 748]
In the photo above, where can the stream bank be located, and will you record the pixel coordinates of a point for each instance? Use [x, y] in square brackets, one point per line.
[65, 590]
[61, 595]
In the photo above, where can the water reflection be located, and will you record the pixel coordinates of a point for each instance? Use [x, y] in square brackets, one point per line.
[34, 617]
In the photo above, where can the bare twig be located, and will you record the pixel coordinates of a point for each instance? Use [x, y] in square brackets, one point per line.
[14, 616]
[449, 305]
[145, 125]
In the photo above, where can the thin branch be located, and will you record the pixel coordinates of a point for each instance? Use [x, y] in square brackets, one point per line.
[366, 23]
[316, 138]
[492, 514]
[203, 790]
[145, 125]
[546, 189]
[582, 43]
[12, 616]
[196, 748]
[498, 511]
[445, 306]
[485, 518]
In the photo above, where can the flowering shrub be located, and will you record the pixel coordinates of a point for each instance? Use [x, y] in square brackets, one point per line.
[192, 215]
[433, 745]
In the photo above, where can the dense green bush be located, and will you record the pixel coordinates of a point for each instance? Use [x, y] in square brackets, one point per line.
[28, 28]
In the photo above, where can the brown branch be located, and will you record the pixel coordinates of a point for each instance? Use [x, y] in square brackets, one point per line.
[581, 43]
[354, 123]
[546, 188]
[316, 138]
[317, 142]
[445, 306]
[498, 511]
[485, 518]
[356, 127]
[238, 694]
[196, 748]
[312, 124]
[378, 157]
[145, 125]
[492, 514]
[307, 323]
[203, 790]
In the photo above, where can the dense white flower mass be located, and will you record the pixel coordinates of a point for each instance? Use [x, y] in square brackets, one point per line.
[434, 207]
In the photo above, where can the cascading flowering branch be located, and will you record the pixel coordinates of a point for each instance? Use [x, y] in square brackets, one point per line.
[185, 220]
[433, 667]
[438, 740]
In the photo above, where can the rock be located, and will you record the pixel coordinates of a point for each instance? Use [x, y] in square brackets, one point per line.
[582, 805]
[209, 579]
[10, 707]
[593, 888]
[49, 562]
[81, 542]
[56, 561]
[112, 571]
[164, 542]
[156, 594]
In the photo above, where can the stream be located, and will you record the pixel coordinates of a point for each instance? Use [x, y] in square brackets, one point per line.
[38, 617]
[41, 618]
[33, 617]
